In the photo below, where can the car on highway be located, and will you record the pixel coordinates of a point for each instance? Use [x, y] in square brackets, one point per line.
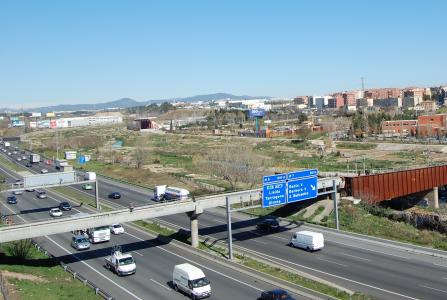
[87, 186]
[117, 229]
[268, 224]
[55, 212]
[65, 206]
[28, 165]
[277, 294]
[30, 190]
[23, 157]
[44, 171]
[9, 153]
[41, 194]
[19, 159]
[19, 192]
[12, 200]
[80, 242]
[15, 152]
[115, 195]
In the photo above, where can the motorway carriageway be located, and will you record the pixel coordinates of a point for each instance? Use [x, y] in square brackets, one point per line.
[379, 270]
[155, 260]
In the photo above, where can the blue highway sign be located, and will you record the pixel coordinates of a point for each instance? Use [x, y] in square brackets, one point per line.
[274, 194]
[302, 189]
[300, 174]
[274, 178]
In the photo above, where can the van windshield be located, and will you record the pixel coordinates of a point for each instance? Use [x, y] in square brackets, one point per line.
[126, 261]
[200, 282]
[81, 240]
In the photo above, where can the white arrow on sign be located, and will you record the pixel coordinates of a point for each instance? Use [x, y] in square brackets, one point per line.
[312, 187]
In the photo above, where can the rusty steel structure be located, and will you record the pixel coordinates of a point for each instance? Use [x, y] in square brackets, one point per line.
[386, 186]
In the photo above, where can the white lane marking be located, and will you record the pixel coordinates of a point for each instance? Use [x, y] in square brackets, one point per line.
[187, 259]
[280, 238]
[137, 253]
[365, 259]
[93, 269]
[332, 262]
[428, 287]
[160, 284]
[219, 221]
[367, 249]
[275, 260]
[260, 242]
[83, 262]
[440, 265]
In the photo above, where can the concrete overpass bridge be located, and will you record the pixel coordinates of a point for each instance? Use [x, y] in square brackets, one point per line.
[192, 207]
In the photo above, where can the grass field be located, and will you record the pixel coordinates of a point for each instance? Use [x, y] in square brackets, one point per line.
[53, 282]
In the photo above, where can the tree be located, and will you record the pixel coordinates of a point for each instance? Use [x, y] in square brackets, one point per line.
[234, 164]
[20, 249]
[139, 153]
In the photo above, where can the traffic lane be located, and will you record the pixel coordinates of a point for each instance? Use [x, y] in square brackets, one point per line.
[90, 264]
[158, 269]
[345, 255]
[322, 264]
[36, 209]
[226, 282]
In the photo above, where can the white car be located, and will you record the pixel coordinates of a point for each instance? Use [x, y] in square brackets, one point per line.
[55, 212]
[19, 159]
[20, 192]
[116, 229]
[44, 171]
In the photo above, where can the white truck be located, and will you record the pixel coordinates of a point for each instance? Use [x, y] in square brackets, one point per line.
[163, 192]
[191, 280]
[60, 163]
[90, 176]
[34, 158]
[67, 168]
[120, 263]
[99, 234]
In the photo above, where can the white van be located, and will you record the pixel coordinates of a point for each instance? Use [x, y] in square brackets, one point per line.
[191, 280]
[308, 240]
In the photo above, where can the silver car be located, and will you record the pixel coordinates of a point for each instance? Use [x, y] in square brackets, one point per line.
[80, 242]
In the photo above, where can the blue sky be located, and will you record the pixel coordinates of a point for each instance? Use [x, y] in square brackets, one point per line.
[66, 52]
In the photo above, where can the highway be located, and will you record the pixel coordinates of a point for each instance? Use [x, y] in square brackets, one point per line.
[360, 264]
[155, 260]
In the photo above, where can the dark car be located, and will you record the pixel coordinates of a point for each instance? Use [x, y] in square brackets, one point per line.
[115, 195]
[12, 200]
[65, 206]
[29, 165]
[276, 295]
[268, 224]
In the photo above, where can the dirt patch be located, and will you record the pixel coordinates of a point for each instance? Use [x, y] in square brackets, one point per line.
[22, 276]
[158, 168]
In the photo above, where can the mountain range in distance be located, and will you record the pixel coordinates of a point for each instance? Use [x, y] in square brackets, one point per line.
[127, 102]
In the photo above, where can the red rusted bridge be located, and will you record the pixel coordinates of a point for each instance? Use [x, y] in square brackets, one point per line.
[386, 186]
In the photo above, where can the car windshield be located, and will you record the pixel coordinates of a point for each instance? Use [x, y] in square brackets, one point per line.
[81, 240]
[101, 228]
[117, 226]
[126, 261]
[200, 282]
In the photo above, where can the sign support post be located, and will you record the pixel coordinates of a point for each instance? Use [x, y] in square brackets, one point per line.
[230, 234]
[97, 195]
[334, 197]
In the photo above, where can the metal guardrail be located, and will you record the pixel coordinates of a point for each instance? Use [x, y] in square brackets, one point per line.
[86, 282]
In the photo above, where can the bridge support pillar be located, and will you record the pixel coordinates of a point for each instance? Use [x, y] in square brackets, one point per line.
[435, 197]
[194, 226]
